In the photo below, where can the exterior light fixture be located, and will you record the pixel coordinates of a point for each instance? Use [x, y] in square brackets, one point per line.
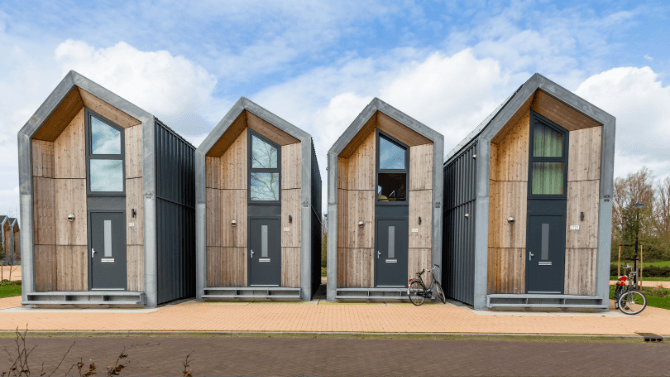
[467, 215]
[234, 222]
[510, 219]
[70, 218]
[419, 220]
[361, 224]
[290, 219]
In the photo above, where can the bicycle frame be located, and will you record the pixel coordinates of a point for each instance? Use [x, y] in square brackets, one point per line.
[427, 291]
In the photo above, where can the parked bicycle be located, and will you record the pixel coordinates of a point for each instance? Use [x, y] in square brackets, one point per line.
[417, 291]
[628, 298]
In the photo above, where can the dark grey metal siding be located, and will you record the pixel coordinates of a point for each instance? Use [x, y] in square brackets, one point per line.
[317, 216]
[175, 215]
[460, 195]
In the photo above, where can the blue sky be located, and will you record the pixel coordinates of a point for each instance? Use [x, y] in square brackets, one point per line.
[317, 64]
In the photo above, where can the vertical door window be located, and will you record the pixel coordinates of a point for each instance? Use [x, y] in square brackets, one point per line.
[264, 170]
[105, 155]
[544, 254]
[264, 241]
[107, 226]
[392, 171]
[548, 157]
[391, 242]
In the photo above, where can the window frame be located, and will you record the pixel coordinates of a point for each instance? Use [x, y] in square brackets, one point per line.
[380, 134]
[88, 113]
[250, 134]
[537, 119]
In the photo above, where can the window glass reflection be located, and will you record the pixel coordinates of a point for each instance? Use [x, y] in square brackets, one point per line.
[391, 187]
[104, 139]
[264, 186]
[263, 155]
[106, 175]
[391, 155]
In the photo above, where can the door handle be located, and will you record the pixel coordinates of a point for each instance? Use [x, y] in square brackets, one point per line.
[92, 252]
[252, 254]
[530, 255]
[379, 253]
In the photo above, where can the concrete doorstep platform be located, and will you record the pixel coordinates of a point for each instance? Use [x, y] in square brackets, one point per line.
[320, 316]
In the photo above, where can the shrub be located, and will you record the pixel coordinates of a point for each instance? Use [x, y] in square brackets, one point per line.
[648, 271]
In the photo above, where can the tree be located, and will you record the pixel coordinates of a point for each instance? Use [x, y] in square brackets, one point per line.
[636, 187]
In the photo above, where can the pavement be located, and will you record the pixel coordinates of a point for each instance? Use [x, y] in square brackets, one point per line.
[247, 356]
[322, 316]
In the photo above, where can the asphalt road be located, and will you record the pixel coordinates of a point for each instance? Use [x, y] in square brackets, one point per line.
[252, 356]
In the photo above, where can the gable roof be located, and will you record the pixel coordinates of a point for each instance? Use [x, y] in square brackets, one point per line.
[508, 109]
[245, 104]
[369, 111]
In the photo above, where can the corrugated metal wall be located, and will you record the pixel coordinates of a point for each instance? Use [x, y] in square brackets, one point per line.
[317, 217]
[460, 195]
[175, 215]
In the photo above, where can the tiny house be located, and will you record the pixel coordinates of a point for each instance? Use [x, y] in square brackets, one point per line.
[107, 202]
[384, 198]
[9, 240]
[527, 204]
[258, 209]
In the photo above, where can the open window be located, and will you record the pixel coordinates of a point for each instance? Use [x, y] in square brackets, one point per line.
[548, 161]
[264, 169]
[105, 156]
[392, 170]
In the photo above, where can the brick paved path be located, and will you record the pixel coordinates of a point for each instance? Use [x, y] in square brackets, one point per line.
[353, 357]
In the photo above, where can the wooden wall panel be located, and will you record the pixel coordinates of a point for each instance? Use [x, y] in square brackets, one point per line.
[234, 164]
[108, 111]
[44, 202]
[560, 113]
[355, 268]
[342, 218]
[45, 268]
[399, 131]
[135, 268]
[70, 150]
[229, 137]
[418, 259]
[213, 172]
[17, 246]
[420, 205]
[271, 132]
[71, 199]
[421, 167]
[291, 165]
[290, 206]
[583, 196]
[361, 207]
[135, 201]
[213, 217]
[361, 135]
[580, 272]
[342, 173]
[361, 166]
[511, 201]
[584, 154]
[43, 158]
[512, 153]
[506, 270]
[134, 162]
[72, 268]
[234, 207]
[226, 267]
[61, 117]
[290, 267]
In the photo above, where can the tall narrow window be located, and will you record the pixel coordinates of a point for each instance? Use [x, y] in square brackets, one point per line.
[104, 153]
[548, 157]
[264, 170]
[392, 172]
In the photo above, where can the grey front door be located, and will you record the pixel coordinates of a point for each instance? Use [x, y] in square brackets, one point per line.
[264, 252]
[108, 251]
[391, 253]
[545, 254]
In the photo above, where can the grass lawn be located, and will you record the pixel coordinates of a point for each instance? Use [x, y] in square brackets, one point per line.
[660, 264]
[10, 290]
[656, 297]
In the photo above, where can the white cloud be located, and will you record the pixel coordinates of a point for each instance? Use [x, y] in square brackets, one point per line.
[641, 105]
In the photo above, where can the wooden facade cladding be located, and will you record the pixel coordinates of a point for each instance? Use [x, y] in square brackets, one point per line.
[226, 181]
[59, 190]
[356, 177]
[508, 195]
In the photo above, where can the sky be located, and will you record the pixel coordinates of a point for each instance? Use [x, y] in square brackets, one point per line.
[317, 64]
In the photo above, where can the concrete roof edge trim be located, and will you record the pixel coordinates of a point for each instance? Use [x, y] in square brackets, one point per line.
[48, 106]
[275, 120]
[368, 111]
[221, 127]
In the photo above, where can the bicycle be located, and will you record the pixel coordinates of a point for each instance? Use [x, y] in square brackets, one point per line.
[417, 291]
[628, 298]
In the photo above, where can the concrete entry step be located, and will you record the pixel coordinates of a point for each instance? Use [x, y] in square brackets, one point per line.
[372, 294]
[252, 293]
[113, 298]
[544, 301]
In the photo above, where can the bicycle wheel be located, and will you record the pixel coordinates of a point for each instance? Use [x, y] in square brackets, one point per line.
[417, 293]
[632, 302]
[440, 293]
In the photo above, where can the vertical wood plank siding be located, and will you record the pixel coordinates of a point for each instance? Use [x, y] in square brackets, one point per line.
[134, 201]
